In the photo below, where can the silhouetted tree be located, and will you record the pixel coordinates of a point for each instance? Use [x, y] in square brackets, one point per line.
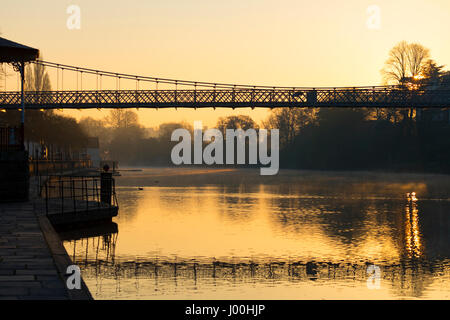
[91, 126]
[165, 129]
[125, 145]
[290, 122]
[235, 122]
[45, 127]
[97, 128]
[417, 57]
[405, 66]
[432, 72]
[405, 61]
[122, 118]
[396, 67]
[2, 76]
[36, 78]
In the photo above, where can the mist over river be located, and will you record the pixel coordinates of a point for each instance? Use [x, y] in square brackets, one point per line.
[199, 233]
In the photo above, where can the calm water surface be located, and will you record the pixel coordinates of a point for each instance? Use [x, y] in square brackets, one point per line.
[232, 234]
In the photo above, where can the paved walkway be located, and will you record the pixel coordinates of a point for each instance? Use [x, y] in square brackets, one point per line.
[27, 267]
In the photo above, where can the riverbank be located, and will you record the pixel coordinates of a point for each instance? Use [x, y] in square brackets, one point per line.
[32, 258]
[33, 261]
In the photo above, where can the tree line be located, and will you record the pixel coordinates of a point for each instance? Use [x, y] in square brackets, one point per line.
[390, 138]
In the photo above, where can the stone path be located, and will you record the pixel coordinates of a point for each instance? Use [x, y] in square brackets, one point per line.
[27, 268]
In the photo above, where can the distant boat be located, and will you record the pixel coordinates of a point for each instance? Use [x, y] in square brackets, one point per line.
[140, 188]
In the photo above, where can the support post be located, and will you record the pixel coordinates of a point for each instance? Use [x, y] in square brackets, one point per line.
[22, 118]
[106, 186]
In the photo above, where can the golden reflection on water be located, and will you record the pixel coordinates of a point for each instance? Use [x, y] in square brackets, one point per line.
[312, 238]
[412, 229]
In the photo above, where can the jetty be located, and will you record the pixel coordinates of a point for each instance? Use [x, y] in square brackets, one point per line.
[33, 260]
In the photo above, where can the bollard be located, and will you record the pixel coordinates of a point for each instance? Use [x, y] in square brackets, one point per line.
[106, 185]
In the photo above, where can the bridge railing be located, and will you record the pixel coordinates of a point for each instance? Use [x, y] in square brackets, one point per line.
[233, 98]
[51, 167]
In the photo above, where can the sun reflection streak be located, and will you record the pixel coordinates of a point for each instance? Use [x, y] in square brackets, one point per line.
[412, 228]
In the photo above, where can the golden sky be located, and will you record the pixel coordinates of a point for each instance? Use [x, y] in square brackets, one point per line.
[266, 42]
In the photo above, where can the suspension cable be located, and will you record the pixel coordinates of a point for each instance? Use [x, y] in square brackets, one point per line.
[184, 82]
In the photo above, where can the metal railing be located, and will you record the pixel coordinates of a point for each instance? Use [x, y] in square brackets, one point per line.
[54, 167]
[374, 97]
[11, 138]
[64, 194]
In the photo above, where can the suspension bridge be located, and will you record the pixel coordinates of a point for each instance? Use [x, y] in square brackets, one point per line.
[197, 94]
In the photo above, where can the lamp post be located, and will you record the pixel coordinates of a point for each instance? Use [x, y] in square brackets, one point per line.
[22, 116]
[19, 66]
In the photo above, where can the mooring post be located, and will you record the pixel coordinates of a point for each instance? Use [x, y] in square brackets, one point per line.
[106, 185]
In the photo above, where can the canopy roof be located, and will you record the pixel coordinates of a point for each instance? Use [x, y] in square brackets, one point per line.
[11, 51]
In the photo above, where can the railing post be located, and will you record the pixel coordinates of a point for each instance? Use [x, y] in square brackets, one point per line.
[62, 194]
[114, 192]
[106, 187]
[82, 189]
[46, 197]
[96, 192]
[86, 190]
[195, 92]
[74, 195]
[156, 91]
[136, 96]
[176, 91]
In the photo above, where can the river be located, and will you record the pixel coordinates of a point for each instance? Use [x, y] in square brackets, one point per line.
[197, 233]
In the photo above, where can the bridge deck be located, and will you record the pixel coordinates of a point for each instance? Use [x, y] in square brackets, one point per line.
[376, 97]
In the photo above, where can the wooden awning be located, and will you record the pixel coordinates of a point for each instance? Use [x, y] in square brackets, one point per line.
[11, 51]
